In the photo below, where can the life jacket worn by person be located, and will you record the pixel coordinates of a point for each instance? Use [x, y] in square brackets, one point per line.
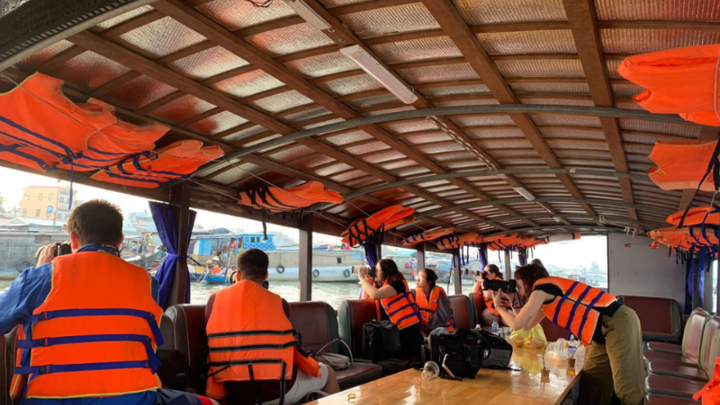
[401, 308]
[94, 336]
[574, 310]
[251, 339]
[490, 304]
[428, 305]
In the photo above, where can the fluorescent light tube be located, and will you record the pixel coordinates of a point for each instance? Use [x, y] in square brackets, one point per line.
[309, 15]
[525, 193]
[379, 73]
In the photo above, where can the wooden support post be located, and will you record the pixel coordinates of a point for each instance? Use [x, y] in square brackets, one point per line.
[420, 255]
[457, 273]
[508, 270]
[180, 201]
[305, 225]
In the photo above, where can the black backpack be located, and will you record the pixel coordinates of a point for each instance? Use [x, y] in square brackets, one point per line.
[459, 355]
[380, 340]
[497, 351]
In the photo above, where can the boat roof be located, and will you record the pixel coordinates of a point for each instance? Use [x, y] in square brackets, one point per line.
[511, 95]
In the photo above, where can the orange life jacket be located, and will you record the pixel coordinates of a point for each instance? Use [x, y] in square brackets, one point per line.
[574, 310]
[677, 81]
[427, 236]
[455, 242]
[428, 305]
[401, 308]
[681, 165]
[276, 199]
[685, 238]
[152, 170]
[95, 334]
[696, 216]
[490, 304]
[384, 220]
[251, 339]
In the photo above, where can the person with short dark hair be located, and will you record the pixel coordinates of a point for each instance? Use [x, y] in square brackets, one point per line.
[611, 330]
[245, 315]
[433, 303]
[538, 262]
[394, 301]
[96, 307]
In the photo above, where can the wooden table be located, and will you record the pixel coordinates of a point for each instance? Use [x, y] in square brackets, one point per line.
[491, 387]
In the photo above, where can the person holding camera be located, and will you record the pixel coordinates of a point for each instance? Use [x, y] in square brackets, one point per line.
[432, 301]
[89, 321]
[254, 356]
[490, 313]
[614, 357]
[394, 301]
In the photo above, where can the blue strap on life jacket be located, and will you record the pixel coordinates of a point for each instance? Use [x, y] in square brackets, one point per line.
[587, 311]
[575, 307]
[714, 167]
[70, 368]
[14, 150]
[562, 300]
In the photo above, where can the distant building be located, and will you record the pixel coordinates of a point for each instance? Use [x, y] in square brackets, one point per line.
[47, 202]
[32, 225]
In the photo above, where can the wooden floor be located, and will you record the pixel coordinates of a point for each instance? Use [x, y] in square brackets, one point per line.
[522, 385]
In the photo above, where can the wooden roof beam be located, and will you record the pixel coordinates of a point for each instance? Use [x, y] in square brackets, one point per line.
[454, 25]
[583, 24]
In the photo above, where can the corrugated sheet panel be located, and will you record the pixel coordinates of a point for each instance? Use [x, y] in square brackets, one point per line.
[567, 120]
[417, 49]
[236, 15]
[259, 141]
[322, 65]
[574, 133]
[492, 11]
[390, 111]
[305, 115]
[398, 164]
[523, 42]
[161, 37]
[556, 101]
[390, 20]
[522, 163]
[353, 175]
[482, 120]
[642, 149]
[330, 170]
[217, 123]
[294, 38]
[237, 136]
[338, 3]
[646, 40]
[236, 174]
[366, 148]
[462, 103]
[453, 156]
[37, 58]
[629, 105]
[311, 161]
[505, 144]
[648, 138]
[89, 71]
[411, 171]
[248, 84]
[470, 164]
[638, 158]
[281, 102]
[612, 68]
[672, 10]
[207, 63]
[329, 121]
[570, 163]
[287, 155]
[432, 74]
[208, 170]
[412, 126]
[383, 157]
[625, 90]
[453, 90]
[575, 88]
[371, 101]
[349, 85]
[686, 130]
[582, 154]
[441, 147]
[138, 92]
[541, 68]
[494, 133]
[181, 109]
[426, 138]
[347, 138]
[512, 153]
[123, 17]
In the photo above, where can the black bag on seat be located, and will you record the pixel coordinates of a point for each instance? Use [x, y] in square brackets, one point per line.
[174, 371]
[460, 354]
[380, 340]
[497, 351]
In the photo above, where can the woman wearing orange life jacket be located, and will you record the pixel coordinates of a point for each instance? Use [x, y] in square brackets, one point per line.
[490, 313]
[429, 297]
[611, 331]
[395, 301]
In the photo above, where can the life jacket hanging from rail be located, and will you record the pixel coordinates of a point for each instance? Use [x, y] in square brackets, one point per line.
[427, 236]
[367, 229]
[277, 199]
[456, 242]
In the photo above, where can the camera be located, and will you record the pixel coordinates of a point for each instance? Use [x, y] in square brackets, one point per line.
[370, 270]
[61, 249]
[500, 285]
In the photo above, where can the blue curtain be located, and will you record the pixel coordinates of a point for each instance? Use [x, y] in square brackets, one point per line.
[168, 231]
[522, 256]
[690, 285]
[482, 255]
[372, 258]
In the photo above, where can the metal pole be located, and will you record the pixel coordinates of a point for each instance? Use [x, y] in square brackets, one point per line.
[180, 201]
[420, 255]
[508, 270]
[305, 226]
[456, 273]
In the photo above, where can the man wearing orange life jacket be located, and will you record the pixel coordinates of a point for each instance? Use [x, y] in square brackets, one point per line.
[394, 301]
[89, 322]
[490, 313]
[611, 331]
[429, 297]
[254, 355]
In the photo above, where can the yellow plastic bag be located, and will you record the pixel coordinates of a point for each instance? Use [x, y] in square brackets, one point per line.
[529, 339]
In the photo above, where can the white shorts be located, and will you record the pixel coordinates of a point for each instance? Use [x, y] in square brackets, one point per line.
[304, 384]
